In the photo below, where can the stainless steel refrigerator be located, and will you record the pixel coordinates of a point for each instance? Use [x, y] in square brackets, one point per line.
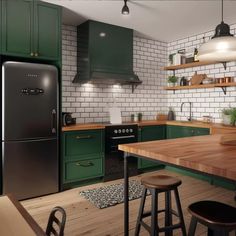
[29, 129]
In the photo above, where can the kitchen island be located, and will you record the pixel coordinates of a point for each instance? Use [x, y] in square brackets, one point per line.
[202, 154]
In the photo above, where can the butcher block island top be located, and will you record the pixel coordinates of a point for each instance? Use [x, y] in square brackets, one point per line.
[201, 153]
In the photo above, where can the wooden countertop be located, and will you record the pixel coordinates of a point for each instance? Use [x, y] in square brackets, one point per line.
[201, 153]
[87, 126]
[214, 127]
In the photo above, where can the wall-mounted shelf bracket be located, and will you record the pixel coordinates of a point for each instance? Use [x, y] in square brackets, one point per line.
[224, 90]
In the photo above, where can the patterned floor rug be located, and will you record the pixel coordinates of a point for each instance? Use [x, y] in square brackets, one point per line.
[112, 194]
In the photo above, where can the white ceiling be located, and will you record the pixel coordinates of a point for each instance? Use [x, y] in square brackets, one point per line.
[162, 20]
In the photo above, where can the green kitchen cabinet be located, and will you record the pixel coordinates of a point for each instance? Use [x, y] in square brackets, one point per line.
[181, 132]
[150, 133]
[31, 29]
[185, 131]
[0, 27]
[82, 155]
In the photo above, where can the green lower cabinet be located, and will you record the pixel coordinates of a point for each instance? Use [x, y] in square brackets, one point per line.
[185, 131]
[83, 156]
[151, 133]
[83, 169]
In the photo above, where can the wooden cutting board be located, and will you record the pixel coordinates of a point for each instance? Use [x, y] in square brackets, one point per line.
[197, 78]
[229, 139]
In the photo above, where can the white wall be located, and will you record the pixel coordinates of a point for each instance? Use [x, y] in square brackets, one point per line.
[208, 101]
[89, 103]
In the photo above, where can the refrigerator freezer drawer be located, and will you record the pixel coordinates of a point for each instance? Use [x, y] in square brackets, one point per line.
[30, 168]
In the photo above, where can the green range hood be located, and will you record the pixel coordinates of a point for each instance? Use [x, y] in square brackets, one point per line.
[105, 53]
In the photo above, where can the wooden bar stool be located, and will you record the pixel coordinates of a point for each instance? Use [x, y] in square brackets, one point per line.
[158, 184]
[218, 217]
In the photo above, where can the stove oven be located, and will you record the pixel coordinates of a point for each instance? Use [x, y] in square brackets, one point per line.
[114, 161]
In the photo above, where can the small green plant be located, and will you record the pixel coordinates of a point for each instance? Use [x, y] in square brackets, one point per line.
[172, 79]
[233, 116]
[227, 111]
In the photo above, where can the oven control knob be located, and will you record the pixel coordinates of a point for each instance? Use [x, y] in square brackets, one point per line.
[127, 130]
[115, 131]
[123, 130]
[119, 131]
[130, 130]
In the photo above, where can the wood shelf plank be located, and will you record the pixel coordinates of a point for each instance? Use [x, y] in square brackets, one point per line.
[201, 86]
[188, 65]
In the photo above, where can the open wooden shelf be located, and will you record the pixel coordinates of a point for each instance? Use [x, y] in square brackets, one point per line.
[188, 65]
[222, 85]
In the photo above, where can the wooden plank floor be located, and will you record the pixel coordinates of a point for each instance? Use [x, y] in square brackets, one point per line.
[85, 219]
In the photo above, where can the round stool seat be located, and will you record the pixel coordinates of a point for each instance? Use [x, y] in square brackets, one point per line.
[215, 213]
[160, 181]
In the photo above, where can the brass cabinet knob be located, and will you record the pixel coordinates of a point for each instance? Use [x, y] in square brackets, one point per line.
[36, 54]
[31, 54]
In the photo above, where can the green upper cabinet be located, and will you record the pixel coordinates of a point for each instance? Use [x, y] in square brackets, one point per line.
[150, 133]
[17, 34]
[31, 29]
[0, 26]
[47, 30]
[116, 41]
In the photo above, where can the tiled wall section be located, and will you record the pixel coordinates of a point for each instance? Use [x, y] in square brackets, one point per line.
[205, 101]
[90, 103]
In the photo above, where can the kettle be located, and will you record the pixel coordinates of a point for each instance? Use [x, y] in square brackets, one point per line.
[183, 81]
[67, 119]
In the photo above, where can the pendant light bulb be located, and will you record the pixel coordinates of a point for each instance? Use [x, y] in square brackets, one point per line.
[221, 47]
[125, 9]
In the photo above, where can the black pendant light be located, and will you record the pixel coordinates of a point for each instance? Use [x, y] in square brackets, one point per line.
[125, 9]
[221, 47]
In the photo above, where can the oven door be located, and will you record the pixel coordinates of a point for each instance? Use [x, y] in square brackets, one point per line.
[114, 160]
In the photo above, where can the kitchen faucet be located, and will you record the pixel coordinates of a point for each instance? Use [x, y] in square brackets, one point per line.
[190, 110]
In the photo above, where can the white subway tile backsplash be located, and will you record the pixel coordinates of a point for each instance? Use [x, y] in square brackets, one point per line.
[89, 103]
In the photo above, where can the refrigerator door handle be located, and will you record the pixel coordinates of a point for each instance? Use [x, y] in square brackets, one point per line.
[54, 121]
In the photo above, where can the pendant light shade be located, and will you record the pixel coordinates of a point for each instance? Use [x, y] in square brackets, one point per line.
[221, 47]
[125, 9]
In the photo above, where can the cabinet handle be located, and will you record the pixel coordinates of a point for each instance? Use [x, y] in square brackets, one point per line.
[89, 163]
[36, 54]
[192, 131]
[84, 137]
[31, 54]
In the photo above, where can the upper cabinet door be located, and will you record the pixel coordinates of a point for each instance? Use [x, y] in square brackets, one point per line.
[0, 27]
[116, 42]
[47, 31]
[17, 24]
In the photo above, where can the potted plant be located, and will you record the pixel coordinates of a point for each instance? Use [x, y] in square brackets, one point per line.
[229, 116]
[172, 80]
[233, 116]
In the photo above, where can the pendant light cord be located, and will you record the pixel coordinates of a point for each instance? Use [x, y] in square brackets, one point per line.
[222, 10]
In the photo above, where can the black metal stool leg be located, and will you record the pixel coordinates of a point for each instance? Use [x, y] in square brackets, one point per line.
[168, 213]
[181, 217]
[140, 214]
[210, 232]
[192, 227]
[154, 231]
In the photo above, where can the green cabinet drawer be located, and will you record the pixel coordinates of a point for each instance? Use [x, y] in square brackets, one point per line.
[85, 169]
[150, 133]
[83, 143]
[201, 131]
